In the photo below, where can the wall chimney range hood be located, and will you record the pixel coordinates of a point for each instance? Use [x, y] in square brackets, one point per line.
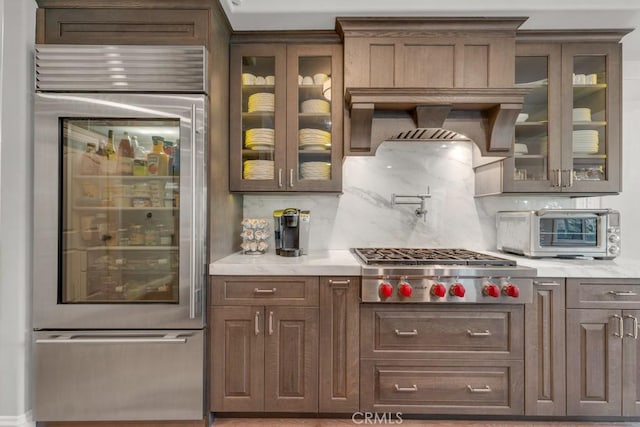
[430, 79]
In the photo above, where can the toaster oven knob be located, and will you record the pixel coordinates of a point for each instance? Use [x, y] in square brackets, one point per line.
[511, 290]
[491, 290]
[405, 289]
[614, 238]
[385, 290]
[438, 290]
[457, 290]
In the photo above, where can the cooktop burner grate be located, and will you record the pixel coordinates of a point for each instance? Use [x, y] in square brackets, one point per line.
[425, 256]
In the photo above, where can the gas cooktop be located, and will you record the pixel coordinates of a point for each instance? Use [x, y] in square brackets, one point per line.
[425, 275]
[427, 256]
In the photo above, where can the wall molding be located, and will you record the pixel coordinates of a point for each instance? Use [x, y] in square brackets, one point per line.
[24, 420]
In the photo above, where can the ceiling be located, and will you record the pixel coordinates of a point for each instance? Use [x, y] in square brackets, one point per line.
[543, 14]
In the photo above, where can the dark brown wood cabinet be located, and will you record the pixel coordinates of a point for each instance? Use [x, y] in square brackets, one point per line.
[442, 360]
[545, 378]
[603, 376]
[264, 357]
[286, 117]
[339, 355]
[127, 22]
[568, 137]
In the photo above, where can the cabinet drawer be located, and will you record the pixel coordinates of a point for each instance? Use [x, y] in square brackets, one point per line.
[462, 332]
[250, 290]
[603, 293]
[451, 387]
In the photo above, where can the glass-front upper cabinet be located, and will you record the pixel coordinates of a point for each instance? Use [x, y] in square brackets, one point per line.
[121, 191]
[591, 103]
[286, 117]
[537, 131]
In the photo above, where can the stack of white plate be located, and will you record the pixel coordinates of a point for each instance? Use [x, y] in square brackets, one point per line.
[315, 106]
[315, 170]
[258, 169]
[585, 141]
[520, 148]
[314, 139]
[582, 114]
[261, 102]
[259, 138]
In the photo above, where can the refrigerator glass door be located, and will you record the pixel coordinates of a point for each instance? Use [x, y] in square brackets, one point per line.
[119, 221]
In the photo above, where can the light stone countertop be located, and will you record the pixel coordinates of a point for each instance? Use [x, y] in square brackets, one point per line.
[344, 263]
[579, 268]
[318, 263]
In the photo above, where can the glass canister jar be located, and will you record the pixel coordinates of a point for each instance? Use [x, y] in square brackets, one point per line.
[136, 236]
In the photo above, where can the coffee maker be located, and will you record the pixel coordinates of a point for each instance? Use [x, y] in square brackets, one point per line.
[291, 228]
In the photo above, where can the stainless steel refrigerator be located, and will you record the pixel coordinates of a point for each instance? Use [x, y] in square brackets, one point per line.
[119, 230]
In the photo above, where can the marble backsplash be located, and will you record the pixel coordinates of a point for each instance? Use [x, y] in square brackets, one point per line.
[363, 215]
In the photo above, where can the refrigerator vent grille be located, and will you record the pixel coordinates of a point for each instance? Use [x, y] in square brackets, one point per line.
[88, 68]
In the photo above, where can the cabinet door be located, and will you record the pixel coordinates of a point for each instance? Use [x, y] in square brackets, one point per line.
[237, 352]
[545, 380]
[314, 118]
[536, 161]
[630, 367]
[74, 25]
[339, 355]
[257, 117]
[591, 108]
[291, 359]
[594, 362]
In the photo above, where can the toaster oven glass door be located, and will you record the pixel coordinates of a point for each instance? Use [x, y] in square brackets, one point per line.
[569, 232]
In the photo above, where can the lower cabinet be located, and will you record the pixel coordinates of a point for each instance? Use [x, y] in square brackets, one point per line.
[339, 351]
[442, 360]
[545, 377]
[603, 373]
[284, 344]
[265, 359]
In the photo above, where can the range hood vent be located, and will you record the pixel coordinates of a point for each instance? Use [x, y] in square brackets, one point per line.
[485, 116]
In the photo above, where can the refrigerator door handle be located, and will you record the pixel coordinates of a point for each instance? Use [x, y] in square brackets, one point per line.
[79, 339]
[193, 309]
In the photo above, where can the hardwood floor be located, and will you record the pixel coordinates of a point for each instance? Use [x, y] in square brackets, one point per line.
[344, 422]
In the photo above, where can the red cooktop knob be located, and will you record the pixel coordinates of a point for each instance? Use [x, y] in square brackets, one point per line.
[457, 290]
[385, 290]
[491, 290]
[405, 289]
[438, 290]
[511, 290]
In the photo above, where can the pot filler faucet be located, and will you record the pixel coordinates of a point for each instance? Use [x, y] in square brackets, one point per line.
[419, 199]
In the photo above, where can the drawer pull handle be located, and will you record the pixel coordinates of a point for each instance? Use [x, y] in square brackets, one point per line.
[535, 282]
[623, 293]
[264, 291]
[485, 389]
[340, 282]
[411, 389]
[486, 333]
[406, 333]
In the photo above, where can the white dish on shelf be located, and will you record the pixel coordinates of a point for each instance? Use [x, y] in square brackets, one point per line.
[520, 148]
[522, 117]
[315, 147]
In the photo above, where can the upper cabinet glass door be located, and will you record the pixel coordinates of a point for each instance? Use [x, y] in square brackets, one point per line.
[589, 117]
[537, 131]
[531, 149]
[314, 101]
[591, 99]
[258, 116]
[120, 200]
